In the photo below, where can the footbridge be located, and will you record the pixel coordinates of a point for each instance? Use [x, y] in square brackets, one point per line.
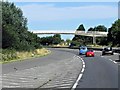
[73, 32]
[93, 34]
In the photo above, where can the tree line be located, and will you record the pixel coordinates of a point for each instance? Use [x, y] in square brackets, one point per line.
[15, 34]
[112, 39]
[51, 40]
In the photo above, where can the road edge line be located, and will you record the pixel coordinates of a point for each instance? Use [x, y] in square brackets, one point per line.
[80, 75]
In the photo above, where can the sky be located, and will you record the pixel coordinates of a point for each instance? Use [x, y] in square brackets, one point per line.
[68, 15]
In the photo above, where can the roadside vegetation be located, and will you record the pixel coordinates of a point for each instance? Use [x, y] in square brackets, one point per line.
[17, 42]
[112, 39]
[13, 55]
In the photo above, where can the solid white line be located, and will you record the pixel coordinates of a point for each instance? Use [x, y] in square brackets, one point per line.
[80, 75]
[76, 83]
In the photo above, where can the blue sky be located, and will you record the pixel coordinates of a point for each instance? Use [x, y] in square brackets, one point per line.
[68, 15]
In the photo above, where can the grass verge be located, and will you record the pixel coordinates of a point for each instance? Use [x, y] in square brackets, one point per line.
[8, 56]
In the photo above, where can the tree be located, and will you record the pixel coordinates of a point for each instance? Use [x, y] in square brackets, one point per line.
[81, 28]
[47, 40]
[82, 40]
[100, 40]
[91, 29]
[113, 33]
[100, 28]
[68, 41]
[15, 32]
[56, 39]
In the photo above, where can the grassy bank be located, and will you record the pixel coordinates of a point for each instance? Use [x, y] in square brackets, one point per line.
[12, 55]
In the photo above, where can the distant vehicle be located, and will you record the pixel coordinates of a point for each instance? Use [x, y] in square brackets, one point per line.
[71, 45]
[82, 50]
[107, 50]
[90, 53]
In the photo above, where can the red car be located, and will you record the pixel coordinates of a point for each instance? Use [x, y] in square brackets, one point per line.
[90, 53]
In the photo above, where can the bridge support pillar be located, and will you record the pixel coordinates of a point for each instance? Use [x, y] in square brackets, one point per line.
[94, 40]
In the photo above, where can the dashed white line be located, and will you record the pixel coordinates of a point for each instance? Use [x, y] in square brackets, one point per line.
[110, 59]
[83, 66]
[83, 63]
[114, 62]
[80, 75]
[82, 70]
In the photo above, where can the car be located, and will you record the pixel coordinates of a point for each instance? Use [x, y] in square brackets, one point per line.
[107, 50]
[82, 50]
[71, 45]
[90, 53]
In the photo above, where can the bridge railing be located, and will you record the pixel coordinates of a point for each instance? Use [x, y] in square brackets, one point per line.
[91, 33]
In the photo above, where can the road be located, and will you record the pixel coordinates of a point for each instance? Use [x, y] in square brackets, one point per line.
[100, 72]
[55, 56]
[64, 66]
[57, 70]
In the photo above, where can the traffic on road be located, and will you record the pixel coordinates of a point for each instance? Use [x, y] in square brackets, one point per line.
[61, 69]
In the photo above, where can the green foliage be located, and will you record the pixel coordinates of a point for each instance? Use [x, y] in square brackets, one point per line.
[91, 29]
[56, 39]
[100, 28]
[82, 40]
[9, 54]
[14, 29]
[81, 28]
[47, 40]
[68, 41]
[113, 33]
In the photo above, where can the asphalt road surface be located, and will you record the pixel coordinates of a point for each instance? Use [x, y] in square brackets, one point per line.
[100, 71]
[55, 56]
[57, 70]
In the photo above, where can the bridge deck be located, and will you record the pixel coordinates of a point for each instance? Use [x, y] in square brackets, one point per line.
[89, 33]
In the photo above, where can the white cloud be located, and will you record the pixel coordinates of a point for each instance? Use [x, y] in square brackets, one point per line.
[48, 12]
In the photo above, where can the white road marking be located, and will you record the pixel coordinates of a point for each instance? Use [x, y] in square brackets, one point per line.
[116, 53]
[110, 59]
[114, 62]
[83, 63]
[82, 70]
[83, 66]
[76, 83]
[80, 75]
